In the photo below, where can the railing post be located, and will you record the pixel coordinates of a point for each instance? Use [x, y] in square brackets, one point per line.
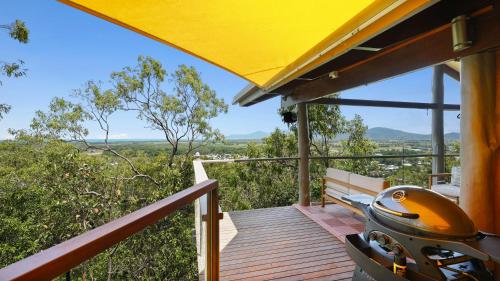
[212, 257]
[437, 121]
[303, 143]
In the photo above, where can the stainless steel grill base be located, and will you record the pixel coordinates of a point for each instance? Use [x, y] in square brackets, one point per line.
[430, 255]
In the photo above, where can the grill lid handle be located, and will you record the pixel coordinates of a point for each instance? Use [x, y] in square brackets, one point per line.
[379, 206]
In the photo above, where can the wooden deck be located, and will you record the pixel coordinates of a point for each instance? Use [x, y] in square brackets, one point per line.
[280, 244]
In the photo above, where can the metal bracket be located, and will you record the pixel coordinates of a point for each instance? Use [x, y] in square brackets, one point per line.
[461, 40]
[287, 101]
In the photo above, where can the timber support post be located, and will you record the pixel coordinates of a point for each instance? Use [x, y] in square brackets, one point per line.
[480, 139]
[212, 263]
[303, 143]
[437, 120]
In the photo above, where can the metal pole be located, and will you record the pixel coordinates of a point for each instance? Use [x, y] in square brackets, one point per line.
[403, 163]
[383, 103]
[437, 120]
[212, 264]
[303, 142]
[325, 157]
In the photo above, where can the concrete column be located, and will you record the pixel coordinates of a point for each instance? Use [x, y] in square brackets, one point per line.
[437, 120]
[480, 139]
[303, 141]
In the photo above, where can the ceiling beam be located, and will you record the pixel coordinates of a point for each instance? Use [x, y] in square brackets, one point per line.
[427, 49]
[382, 103]
[451, 72]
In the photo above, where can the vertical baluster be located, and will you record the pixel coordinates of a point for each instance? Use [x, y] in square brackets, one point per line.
[212, 257]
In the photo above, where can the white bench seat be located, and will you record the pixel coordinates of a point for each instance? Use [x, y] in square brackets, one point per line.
[451, 189]
[446, 190]
[362, 198]
[342, 187]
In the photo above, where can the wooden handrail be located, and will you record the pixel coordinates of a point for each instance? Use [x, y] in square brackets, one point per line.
[60, 258]
[294, 158]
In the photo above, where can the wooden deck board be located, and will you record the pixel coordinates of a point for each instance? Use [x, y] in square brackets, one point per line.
[280, 244]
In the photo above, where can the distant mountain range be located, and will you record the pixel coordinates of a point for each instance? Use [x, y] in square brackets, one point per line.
[377, 133]
[251, 136]
[381, 133]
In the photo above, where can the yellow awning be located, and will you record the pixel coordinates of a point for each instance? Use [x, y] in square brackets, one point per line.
[265, 42]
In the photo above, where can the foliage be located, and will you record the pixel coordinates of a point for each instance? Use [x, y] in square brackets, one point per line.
[4, 109]
[50, 181]
[63, 120]
[357, 144]
[278, 144]
[326, 122]
[261, 184]
[51, 191]
[17, 31]
[13, 69]
[181, 116]
[453, 148]
[413, 175]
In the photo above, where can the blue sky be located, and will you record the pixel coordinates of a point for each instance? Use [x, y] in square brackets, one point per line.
[68, 47]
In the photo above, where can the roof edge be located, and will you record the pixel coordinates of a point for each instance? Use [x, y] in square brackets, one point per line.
[248, 95]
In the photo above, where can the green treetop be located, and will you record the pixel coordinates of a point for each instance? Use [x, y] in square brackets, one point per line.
[17, 31]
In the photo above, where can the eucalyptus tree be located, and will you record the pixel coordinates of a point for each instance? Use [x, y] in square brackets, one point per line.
[181, 114]
[357, 144]
[326, 123]
[88, 189]
[66, 120]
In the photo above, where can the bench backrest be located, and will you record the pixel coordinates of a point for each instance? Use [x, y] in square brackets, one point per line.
[344, 182]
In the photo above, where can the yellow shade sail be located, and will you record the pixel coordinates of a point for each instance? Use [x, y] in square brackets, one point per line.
[265, 42]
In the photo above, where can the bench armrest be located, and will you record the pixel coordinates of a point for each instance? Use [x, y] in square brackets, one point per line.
[437, 175]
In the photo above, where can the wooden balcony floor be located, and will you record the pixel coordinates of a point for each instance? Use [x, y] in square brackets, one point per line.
[280, 244]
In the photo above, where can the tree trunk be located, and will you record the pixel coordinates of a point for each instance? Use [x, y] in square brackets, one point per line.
[175, 147]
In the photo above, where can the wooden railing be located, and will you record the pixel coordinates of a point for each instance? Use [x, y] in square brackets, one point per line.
[352, 157]
[206, 234]
[61, 258]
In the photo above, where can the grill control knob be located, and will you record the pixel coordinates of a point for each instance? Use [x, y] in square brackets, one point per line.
[398, 249]
[383, 240]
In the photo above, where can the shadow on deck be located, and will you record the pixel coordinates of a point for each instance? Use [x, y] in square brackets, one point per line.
[286, 243]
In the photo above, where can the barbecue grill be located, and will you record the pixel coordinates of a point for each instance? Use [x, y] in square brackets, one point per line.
[413, 233]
